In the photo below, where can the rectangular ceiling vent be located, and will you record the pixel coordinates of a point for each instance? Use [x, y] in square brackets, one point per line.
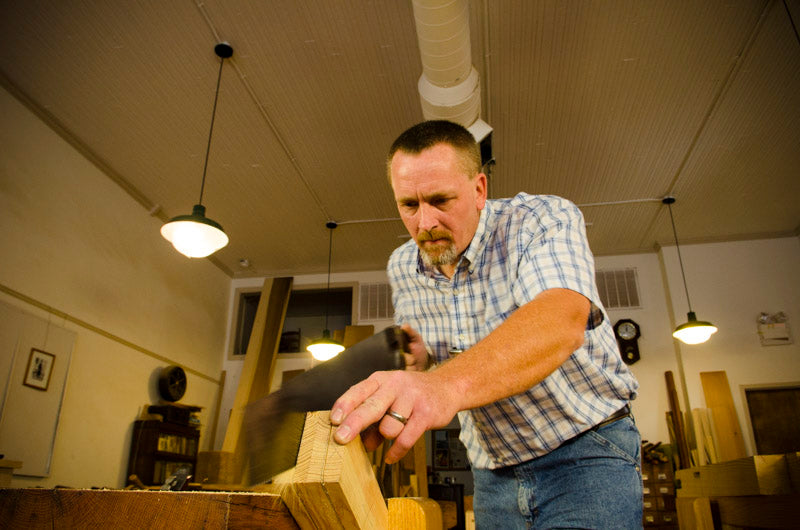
[618, 288]
[375, 302]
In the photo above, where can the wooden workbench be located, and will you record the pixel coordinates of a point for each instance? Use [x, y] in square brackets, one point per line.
[332, 486]
[37, 508]
[761, 491]
[123, 509]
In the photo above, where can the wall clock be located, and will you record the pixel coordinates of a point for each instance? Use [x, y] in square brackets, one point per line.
[172, 383]
[628, 333]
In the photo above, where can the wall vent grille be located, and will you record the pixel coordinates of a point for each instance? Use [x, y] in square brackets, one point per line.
[618, 288]
[375, 302]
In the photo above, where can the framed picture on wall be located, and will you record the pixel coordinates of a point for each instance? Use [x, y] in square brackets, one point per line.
[40, 367]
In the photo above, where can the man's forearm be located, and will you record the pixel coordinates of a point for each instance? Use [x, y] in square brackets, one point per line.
[533, 342]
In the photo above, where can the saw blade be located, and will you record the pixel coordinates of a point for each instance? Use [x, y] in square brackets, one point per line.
[274, 424]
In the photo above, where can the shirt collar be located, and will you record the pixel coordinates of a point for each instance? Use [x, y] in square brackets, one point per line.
[478, 243]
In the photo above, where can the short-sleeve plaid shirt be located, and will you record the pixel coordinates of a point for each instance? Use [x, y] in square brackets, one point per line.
[522, 246]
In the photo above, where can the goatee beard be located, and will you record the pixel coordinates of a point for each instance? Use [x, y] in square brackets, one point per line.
[448, 256]
[440, 256]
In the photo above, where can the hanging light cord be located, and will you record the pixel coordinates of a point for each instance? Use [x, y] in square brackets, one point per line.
[331, 225]
[328, 289]
[680, 260]
[211, 131]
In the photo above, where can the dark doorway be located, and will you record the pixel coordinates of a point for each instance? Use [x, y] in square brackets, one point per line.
[775, 417]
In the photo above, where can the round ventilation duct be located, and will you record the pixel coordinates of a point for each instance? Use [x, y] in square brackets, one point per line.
[449, 86]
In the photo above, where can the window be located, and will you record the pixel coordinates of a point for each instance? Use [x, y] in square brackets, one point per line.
[305, 317]
[245, 316]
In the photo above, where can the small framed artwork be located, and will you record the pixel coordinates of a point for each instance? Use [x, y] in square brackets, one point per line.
[40, 368]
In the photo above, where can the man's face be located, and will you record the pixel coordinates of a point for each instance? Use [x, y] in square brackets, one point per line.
[438, 202]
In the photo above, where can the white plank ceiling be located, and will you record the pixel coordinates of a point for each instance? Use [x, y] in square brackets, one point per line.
[600, 102]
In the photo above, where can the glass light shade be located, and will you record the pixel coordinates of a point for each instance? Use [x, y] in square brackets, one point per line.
[694, 331]
[195, 235]
[325, 348]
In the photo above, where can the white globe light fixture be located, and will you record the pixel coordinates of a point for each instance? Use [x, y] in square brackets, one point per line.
[195, 235]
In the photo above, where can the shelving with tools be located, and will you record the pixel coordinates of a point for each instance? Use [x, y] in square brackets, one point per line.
[158, 448]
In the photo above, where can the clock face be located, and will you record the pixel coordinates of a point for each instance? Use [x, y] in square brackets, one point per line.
[172, 383]
[627, 333]
[626, 330]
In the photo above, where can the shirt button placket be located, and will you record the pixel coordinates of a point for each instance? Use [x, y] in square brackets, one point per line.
[455, 315]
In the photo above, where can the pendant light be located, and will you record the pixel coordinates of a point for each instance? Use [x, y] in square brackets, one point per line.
[195, 235]
[694, 331]
[326, 348]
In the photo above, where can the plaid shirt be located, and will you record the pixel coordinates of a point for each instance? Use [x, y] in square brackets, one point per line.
[522, 247]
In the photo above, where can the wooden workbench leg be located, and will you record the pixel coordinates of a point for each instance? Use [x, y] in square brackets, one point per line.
[414, 513]
[694, 513]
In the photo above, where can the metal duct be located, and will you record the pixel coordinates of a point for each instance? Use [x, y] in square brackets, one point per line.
[449, 86]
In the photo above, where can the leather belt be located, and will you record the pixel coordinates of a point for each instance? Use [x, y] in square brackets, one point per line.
[618, 415]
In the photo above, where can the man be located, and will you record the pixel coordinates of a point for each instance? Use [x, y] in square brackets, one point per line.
[502, 294]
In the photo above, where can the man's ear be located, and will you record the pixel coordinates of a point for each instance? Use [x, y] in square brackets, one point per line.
[480, 190]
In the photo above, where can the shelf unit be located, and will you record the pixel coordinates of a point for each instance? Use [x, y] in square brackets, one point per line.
[158, 448]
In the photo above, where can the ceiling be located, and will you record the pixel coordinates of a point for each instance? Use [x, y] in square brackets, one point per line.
[612, 105]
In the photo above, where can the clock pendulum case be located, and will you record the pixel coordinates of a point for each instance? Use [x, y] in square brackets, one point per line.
[628, 333]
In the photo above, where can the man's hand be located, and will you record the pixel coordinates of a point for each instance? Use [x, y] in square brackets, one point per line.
[417, 396]
[417, 357]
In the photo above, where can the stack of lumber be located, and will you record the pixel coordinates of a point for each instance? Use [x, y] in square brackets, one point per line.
[706, 435]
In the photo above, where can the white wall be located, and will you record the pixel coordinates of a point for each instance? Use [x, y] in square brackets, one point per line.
[730, 284]
[74, 241]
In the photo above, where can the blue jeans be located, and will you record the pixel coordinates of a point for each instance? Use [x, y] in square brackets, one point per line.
[591, 481]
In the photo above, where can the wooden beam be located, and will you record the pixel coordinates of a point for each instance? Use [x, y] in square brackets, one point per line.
[332, 486]
[761, 511]
[217, 404]
[684, 459]
[718, 396]
[755, 475]
[259, 364]
[119, 509]
[355, 334]
[756, 511]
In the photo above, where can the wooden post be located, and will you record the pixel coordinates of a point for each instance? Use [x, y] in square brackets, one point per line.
[259, 365]
[684, 458]
[213, 431]
[332, 485]
[694, 513]
[421, 467]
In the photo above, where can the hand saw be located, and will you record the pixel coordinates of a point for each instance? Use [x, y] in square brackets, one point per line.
[274, 424]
